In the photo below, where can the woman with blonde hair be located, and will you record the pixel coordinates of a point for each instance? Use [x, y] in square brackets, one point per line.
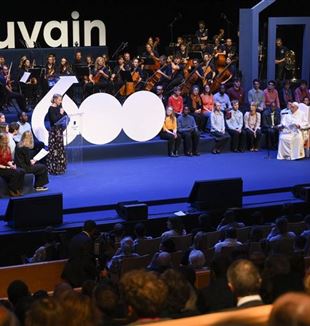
[8, 171]
[24, 160]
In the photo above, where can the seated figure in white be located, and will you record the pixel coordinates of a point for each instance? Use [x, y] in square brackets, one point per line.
[291, 142]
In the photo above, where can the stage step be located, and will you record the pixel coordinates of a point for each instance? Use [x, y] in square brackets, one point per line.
[121, 148]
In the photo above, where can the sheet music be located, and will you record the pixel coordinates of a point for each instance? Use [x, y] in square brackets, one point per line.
[43, 152]
[25, 77]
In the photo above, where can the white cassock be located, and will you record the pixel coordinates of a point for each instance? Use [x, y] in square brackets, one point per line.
[306, 110]
[291, 142]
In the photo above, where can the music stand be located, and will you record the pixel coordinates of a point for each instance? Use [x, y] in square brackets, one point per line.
[196, 55]
[81, 70]
[35, 72]
[126, 76]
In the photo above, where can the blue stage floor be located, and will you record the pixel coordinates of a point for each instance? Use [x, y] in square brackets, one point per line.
[108, 181]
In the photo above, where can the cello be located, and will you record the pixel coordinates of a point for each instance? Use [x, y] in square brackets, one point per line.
[190, 80]
[223, 76]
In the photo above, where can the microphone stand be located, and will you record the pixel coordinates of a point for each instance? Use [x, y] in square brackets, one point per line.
[121, 47]
[171, 28]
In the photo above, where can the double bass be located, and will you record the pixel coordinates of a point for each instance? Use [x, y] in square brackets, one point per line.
[190, 80]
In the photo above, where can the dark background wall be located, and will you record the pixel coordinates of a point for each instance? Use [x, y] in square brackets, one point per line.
[134, 21]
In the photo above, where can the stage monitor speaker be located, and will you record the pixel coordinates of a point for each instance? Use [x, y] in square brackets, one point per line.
[35, 211]
[302, 192]
[132, 210]
[216, 194]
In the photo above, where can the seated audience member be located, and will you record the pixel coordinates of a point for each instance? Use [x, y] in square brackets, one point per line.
[145, 295]
[302, 91]
[169, 132]
[107, 300]
[160, 262]
[140, 233]
[16, 291]
[235, 130]
[218, 131]
[81, 264]
[223, 99]
[2, 117]
[245, 282]
[24, 125]
[216, 295]
[236, 93]
[256, 95]
[271, 120]
[306, 232]
[188, 130]
[182, 299]
[196, 259]
[126, 250]
[291, 142]
[48, 251]
[230, 240]
[271, 94]
[290, 309]
[280, 230]
[252, 122]
[286, 93]
[24, 160]
[13, 175]
[194, 103]
[175, 228]
[176, 101]
[229, 220]
[13, 130]
[207, 107]
[47, 311]
[7, 317]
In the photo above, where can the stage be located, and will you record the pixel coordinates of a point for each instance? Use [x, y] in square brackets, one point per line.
[91, 188]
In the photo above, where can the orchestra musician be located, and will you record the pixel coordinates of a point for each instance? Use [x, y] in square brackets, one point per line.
[50, 76]
[29, 89]
[150, 60]
[117, 75]
[9, 93]
[177, 76]
[202, 33]
[99, 78]
[64, 67]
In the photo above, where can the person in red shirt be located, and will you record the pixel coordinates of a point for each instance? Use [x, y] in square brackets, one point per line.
[176, 101]
[8, 171]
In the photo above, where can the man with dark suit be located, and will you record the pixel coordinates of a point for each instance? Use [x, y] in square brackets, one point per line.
[271, 119]
[81, 265]
[244, 281]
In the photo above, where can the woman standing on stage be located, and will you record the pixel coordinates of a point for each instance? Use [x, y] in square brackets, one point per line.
[56, 159]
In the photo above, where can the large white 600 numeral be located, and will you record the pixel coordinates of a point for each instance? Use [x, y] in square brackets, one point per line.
[101, 117]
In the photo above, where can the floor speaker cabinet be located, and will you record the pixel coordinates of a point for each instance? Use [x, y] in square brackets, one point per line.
[132, 210]
[216, 194]
[35, 211]
[302, 192]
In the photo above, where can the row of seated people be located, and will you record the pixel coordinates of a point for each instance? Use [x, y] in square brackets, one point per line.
[16, 156]
[144, 296]
[245, 130]
[183, 298]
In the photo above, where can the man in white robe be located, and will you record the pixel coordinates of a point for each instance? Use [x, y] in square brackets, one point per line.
[306, 131]
[291, 142]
